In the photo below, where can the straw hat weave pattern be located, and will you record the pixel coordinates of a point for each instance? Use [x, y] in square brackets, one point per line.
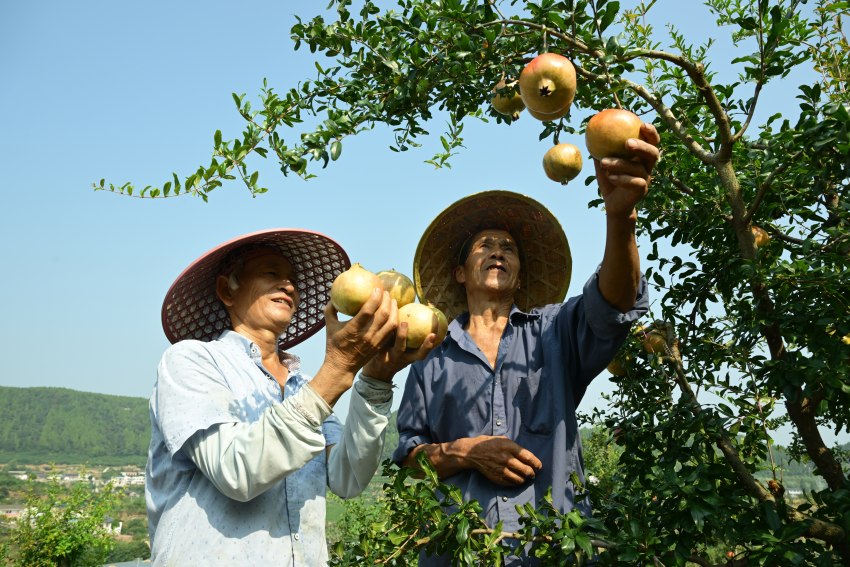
[192, 310]
[545, 259]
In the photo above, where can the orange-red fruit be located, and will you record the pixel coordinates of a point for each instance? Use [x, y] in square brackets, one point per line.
[399, 286]
[421, 321]
[608, 131]
[562, 162]
[547, 86]
[509, 104]
[352, 288]
[760, 235]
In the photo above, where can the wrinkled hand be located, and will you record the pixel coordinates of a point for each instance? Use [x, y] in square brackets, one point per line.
[389, 360]
[624, 182]
[351, 344]
[502, 461]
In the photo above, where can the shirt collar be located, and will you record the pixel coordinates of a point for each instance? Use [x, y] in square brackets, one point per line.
[515, 317]
[246, 345]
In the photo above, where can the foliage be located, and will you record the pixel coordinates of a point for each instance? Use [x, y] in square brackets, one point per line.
[419, 513]
[757, 337]
[64, 526]
[55, 425]
[128, 551]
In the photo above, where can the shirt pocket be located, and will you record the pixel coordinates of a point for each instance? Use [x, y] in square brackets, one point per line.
[535, 401]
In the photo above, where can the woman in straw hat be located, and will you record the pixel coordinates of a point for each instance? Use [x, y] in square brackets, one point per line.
[494, 406]
[243, 444]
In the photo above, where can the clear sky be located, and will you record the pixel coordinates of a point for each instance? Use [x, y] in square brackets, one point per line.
[132, 91]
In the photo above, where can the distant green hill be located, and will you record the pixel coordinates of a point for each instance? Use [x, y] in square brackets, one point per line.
[58, 425]
[62, 426]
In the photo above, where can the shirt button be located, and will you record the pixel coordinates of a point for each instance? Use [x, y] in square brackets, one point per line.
[498, 422]
[297, 537]
[504, 498]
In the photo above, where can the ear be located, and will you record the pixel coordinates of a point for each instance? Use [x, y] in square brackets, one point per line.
[460, 276]
[222, 290]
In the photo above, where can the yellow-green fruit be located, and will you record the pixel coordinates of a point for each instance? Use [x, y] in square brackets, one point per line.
[399, 286]
[352, 288]
[562, 162]
[442, 324]
[760, 236]
[421, 322]
[618, 366]
[509, 104]
[654, 342]
[608, 131]
[547, 86]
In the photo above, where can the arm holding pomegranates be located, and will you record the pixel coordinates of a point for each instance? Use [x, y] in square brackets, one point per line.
[622, 184]
[372, 338]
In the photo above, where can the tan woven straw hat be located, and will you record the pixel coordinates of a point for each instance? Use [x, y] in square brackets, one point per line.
[192, 310]
[545, 261]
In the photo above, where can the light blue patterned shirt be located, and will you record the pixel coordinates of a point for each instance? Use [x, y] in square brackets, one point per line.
[192, 522]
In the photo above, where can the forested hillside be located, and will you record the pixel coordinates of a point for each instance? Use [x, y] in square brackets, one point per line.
[66, 426]
[58, 425]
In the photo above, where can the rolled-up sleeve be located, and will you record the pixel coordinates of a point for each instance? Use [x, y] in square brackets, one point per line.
[605, 320]
[592, 331]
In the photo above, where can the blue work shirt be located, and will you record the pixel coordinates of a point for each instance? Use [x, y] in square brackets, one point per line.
[546, 359]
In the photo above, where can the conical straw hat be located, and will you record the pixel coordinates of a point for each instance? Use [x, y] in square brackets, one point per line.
[545, 261]
[192, 310]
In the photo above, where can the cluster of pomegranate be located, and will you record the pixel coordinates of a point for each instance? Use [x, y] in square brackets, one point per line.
[352, 288]
[546, 88]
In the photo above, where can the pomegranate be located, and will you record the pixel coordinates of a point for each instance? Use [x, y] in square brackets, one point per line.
[421, 321]
[654, 342]
[618, 366]
[608, 131]
[547, 86]
[760, 235]
[562, 163]
[352, 288]
[399, 286]
[442, 324]
[507, 104]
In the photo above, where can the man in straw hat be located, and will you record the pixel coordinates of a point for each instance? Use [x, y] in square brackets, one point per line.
[243, 444]
[494, 406]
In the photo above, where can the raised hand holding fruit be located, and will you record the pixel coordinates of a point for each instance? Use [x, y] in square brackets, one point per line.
[608, 131]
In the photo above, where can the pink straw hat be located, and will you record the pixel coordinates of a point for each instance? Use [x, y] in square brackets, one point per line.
[191, 309]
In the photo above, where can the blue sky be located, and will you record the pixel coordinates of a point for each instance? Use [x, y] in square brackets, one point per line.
[133, 91]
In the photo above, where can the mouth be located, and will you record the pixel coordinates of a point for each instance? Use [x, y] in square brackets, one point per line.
[496, 267]
[284, 300]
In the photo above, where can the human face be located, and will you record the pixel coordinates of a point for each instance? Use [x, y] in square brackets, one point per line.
[266, 297]
[492, 265]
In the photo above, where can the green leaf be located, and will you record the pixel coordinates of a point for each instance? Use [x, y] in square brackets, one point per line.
[770, 515]
[336, 149]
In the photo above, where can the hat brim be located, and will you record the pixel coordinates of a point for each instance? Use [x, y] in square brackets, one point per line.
[191, 309]
[546, 263]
